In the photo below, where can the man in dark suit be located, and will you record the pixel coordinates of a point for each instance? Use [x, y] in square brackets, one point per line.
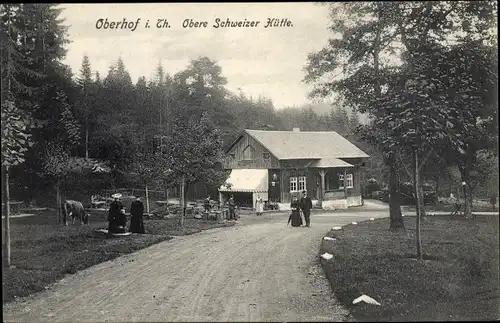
[306, 206]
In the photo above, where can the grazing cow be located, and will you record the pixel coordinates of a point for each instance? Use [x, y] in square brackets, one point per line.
[74, 209]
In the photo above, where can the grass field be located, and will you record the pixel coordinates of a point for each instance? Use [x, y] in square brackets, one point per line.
[458, 280]
[44, 251]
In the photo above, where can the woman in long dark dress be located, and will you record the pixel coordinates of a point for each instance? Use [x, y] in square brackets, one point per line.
[136, 212]
[295, 217]
[116, 215]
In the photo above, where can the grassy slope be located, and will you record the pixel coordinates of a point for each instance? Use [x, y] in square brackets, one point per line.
[459, 283]
[43, 251]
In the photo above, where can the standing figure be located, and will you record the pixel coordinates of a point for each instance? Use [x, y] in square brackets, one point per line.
[136, 212]
[206, 204]
[116, 215]
[295, 217]
[306, 206]
[259, 206]
[232, 206]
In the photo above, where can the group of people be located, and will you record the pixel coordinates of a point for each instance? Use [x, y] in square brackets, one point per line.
[304, 205]
[117, 217]
[230, 203]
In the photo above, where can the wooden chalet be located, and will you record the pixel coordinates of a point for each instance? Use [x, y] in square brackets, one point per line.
[275, 165]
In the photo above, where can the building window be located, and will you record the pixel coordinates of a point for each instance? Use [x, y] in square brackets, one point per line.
[266, 155]
[349, 181]
[302, 183]
[249, 153]
[293, 184]
[297, 184]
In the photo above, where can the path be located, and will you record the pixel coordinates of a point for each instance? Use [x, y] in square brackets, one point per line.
[260, 270]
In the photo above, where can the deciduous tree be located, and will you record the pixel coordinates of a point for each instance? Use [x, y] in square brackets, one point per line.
[16, 139]
[195, 150]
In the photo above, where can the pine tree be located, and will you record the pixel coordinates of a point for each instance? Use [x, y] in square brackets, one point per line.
[17, 74]
[141, 82]
[85, 77]
[41, 40]
[85, 104]
[122, 75]
[98, 81]
[71, 128]
[160, 74]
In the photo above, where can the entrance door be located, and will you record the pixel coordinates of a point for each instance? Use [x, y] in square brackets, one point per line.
[274, 188]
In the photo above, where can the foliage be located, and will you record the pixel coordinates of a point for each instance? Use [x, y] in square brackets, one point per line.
[58, 163]
[425, 86]
[16, 136]
[148, 166]
[194, 150]
[68, 123]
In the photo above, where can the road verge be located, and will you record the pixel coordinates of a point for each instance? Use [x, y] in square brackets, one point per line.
[457, 280]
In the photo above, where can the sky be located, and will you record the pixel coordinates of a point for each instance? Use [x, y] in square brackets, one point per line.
[259, 61]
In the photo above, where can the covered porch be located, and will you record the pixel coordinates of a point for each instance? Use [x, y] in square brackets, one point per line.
[339, 183]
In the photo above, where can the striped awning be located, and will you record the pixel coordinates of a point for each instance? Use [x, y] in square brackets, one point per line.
[246, 180]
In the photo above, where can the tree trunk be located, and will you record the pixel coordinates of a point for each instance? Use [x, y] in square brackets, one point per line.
[376, 59]
[417, 189]
[7, 218]
[58, 201]
[396, 218]
[470, 201]
[421, 198]
[86, 139]
[438, 182]
[166, 198]
[467, 192]
[183, 200]
[147, 199]
[112, 179]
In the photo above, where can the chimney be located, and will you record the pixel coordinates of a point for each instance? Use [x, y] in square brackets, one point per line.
[296, 129]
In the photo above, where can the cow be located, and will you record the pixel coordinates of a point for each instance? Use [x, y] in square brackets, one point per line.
[74, 209]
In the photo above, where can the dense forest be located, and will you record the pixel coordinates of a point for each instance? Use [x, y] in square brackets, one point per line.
[133, 128]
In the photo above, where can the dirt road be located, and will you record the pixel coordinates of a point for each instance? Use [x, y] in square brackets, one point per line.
[260, 270]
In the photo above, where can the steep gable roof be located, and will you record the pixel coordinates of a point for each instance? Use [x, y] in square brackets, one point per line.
[306, 144]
